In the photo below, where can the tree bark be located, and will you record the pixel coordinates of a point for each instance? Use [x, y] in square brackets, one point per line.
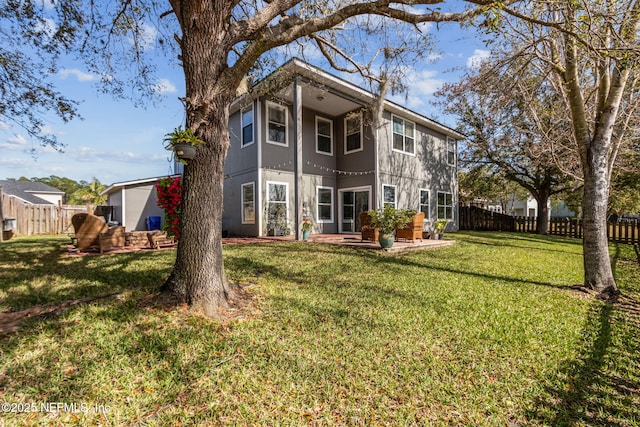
[198, 276]
[542, 221]
[598, 274]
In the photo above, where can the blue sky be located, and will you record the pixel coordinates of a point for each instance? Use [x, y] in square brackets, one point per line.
[117, 141]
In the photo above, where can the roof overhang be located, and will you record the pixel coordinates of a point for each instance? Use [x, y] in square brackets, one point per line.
[328, 94]
[118, 185]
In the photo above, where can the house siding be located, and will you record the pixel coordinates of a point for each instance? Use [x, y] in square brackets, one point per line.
[140, 203]
[427, 169]
[132, 204]
[115, 199]
[369, 169]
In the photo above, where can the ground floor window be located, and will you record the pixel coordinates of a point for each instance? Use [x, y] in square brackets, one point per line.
[445, 205]
[423, 203]
[389, 195]
[248, 203]
[324, 204]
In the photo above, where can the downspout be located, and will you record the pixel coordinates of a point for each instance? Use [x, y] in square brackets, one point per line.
[1, 215]
[124, 207]
[258, 188]
[376, 158]
[297, 156]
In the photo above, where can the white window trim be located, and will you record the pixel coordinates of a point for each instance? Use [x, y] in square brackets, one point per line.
[286, 124]
[286, 186]
[242, 202]
[324, 221]
[395, 195]
[361, 135]
[322, 119]
[445, 206]
[366, 188]
[242, 126]
[415, 131]
[455, 151]
[427, 214]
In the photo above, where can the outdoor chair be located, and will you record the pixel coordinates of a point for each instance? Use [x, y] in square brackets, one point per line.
[413, 229]
[159, 239]
[368, 232]
[93, 232]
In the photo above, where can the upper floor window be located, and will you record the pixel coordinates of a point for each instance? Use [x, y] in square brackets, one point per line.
[404, 135]
[277, 124]
[389, 195]
[452, 151]
[247, 126]
[353, 133]
[324, 136]
[445, 205]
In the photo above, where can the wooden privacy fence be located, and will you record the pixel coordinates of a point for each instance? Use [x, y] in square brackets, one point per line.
[38, 219]
[474, 218]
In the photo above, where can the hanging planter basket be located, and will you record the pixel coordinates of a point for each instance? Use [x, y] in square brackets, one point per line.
[184, 151]
[183, 142]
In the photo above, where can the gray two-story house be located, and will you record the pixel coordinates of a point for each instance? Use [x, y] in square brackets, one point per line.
[304, 146]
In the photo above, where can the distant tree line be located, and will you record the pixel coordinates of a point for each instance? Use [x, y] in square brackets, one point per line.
[75, 192]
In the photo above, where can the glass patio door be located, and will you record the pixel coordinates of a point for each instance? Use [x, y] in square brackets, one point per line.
[353, 204]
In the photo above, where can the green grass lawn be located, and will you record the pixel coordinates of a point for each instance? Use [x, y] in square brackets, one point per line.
[487, 332]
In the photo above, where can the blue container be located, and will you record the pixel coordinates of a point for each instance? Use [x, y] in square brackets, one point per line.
[153, 223]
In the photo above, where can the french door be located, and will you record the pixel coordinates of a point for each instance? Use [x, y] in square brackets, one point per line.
[352, 203]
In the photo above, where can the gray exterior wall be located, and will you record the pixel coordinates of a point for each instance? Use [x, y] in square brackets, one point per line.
[141, 202]
[133, 204]
[115, 199]
[427, 169]
[372, 167]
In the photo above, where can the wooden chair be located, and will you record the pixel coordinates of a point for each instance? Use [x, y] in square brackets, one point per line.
[367, 231]
[159, 239]
[93, 232]
[412, 230]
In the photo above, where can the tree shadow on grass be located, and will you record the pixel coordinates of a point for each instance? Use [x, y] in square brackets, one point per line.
[601, 386]
[511, 239]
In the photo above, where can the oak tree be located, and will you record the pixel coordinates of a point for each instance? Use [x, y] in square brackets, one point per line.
[218, 44]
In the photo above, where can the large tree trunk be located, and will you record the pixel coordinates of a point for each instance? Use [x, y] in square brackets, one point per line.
[598, 274]
[198, 276]
[542, 221]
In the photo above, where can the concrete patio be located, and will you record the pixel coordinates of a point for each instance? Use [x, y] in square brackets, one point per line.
[354, 240]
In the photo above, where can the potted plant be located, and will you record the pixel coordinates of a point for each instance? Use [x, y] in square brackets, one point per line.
[183, 142]
[439, 227]
[306, 229]
[387, 220]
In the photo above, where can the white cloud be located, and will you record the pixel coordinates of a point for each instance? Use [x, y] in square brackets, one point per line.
[88, 154]
[14, 143]
[421, 86]
[424, 82]
[148, 35]
[164, 86]
[81, 76]
[48, 4]
[476, 59]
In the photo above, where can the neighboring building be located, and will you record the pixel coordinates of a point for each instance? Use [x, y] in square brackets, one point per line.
[32, 193]
[303, 146]
[515, 206]
[133, 202]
